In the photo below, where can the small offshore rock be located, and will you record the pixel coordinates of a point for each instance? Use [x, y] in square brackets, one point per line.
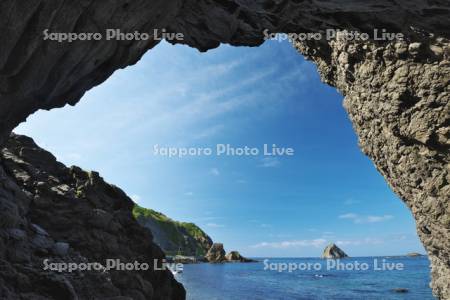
[400, 290]
[333, 252]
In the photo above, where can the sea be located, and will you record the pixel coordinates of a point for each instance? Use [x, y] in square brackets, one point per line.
[302, 278]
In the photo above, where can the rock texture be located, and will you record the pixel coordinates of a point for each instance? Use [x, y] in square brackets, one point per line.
[43, 74]
[216, 254]
[49, 211]
[235, 256]
[396, 93]
[398, 98]
[333, 252]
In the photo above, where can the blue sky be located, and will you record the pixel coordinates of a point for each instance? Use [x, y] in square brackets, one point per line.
[286, 206]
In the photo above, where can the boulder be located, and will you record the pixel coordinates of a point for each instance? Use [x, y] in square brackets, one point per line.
[235, 256]
[216, 253]
[333, 252]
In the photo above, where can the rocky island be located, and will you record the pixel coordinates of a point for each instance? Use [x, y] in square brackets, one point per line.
[333, 252]
[217, 255]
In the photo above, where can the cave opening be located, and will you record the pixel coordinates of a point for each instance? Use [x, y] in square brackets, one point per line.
[328, 191]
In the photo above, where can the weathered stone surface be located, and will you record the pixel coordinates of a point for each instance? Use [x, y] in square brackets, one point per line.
[333, 252]
[399, 104]
[235, 256]
[43, 74]
[216, 254]
[67, 232]
[396, 93]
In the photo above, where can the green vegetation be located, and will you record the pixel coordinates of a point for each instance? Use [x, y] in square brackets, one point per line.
[174, 237]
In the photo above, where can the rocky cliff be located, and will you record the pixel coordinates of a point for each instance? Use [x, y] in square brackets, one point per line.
[51, 212]
[185, 239]
[216, 254]
[398, 98]
[396, 93]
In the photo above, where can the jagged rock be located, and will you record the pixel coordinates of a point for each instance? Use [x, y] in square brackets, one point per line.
[96, 226]
[235, 256]
[399, 106]
[333, 252]
[216, 254]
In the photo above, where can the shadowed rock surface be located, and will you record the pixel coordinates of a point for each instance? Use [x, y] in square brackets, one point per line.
[333, 252]
[49, 211]
[396, 93]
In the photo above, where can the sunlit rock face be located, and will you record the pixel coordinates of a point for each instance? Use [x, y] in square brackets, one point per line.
[396, 94]
[398, 99]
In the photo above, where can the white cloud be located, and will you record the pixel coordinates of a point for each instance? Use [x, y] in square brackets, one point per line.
[358, 219]
[366, 241]
[318, 243]
[214, 171]
[215, 225]
[269, 162]
[189, 194]
[292, 244]
[375, 219]
[348, 216]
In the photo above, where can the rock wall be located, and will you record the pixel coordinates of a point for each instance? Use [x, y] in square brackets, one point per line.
[396, 95]
[43, 74]
[398, 99]
[51, 212]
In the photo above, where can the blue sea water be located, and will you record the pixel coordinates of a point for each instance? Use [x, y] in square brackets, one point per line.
[251, 280]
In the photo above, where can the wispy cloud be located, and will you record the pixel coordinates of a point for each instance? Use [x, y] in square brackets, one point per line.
[292, 244]
[215, 225]
[269, 162]
[317, 243]
[366, 241]
[214, 171]
[358, 219]
[189, 194]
